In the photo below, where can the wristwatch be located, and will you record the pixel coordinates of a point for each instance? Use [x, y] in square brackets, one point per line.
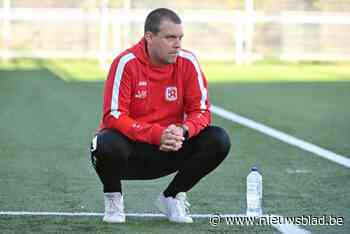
[185, 131]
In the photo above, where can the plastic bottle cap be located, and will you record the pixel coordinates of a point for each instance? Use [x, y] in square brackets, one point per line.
[254, 169]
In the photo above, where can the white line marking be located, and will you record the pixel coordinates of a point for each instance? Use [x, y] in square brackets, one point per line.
[342, 160]
[283, 228]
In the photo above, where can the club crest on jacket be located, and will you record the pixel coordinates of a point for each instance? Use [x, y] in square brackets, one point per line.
[171, 93]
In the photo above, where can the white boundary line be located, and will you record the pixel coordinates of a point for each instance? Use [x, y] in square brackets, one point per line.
[281, 136]
[283, 228]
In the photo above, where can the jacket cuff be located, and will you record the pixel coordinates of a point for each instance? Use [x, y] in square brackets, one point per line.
[191, 128]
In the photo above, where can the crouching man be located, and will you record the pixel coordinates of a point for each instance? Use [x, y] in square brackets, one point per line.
[156, 121]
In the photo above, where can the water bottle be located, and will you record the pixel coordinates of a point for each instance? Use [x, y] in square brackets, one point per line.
[254, 193]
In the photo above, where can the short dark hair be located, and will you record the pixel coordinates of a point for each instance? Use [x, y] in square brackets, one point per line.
[156, 16]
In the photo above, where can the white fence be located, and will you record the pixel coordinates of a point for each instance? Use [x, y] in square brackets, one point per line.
[242, 36]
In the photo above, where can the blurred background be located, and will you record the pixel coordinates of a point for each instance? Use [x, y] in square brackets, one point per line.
[231, 30]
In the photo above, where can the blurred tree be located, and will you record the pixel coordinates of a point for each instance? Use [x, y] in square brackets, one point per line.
[116, 3]
[264, 5]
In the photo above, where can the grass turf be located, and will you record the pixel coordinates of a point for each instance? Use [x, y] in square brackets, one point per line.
[49, 112]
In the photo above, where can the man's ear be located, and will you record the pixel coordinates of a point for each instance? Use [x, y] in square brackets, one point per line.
[148, 36]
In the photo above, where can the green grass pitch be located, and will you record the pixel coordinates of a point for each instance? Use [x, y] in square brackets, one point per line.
[50, 109]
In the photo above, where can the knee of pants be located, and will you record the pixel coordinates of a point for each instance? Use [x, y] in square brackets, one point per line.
[112, 146]
[218, 140]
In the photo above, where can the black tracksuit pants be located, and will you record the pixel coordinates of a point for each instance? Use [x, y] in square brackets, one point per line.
[117, 158]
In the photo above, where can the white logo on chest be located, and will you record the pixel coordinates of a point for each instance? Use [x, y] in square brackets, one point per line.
[142, 83]
[171, 93]
[141, 94]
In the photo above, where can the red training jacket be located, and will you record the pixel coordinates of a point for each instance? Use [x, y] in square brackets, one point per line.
[141, 100]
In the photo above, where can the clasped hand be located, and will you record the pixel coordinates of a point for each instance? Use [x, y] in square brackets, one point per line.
[172, 138]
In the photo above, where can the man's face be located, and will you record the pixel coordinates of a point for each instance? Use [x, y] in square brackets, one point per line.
[163, 47]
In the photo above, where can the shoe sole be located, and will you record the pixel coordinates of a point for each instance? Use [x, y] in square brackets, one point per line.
[113, 221]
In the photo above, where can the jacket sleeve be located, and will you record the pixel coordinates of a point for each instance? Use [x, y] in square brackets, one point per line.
[117, 98]
[197, 105]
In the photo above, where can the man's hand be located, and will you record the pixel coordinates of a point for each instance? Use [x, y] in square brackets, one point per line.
[171, 139]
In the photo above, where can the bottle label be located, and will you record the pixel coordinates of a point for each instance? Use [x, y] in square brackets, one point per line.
[252, 188]
[253, 201]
